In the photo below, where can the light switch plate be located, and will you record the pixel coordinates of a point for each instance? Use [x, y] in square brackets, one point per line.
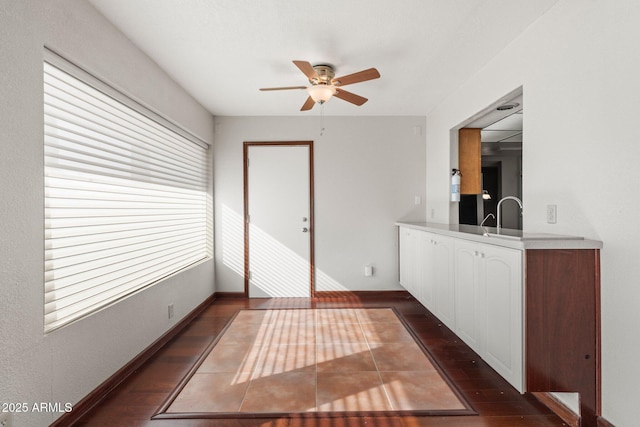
[552, 214]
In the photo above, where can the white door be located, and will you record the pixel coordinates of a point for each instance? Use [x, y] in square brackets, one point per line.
[279, 219]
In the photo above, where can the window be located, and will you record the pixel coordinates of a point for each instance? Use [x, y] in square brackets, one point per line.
[126, 200]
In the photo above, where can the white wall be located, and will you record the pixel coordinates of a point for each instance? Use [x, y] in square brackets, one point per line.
[578, 68]
[367, 172]
[67, 364]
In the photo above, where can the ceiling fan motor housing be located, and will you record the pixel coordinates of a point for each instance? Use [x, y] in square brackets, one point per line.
[325, 74]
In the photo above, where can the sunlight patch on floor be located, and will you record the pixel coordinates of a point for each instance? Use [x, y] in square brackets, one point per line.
[316, 360]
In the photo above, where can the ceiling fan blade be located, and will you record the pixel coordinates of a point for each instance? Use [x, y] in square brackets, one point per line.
[361, 76]
[308, 105]
[350, 97]
[282, 88]
[307, 69]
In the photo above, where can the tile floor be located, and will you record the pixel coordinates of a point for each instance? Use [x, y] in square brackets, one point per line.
[316, 360]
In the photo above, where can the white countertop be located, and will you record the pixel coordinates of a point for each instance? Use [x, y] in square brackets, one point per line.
[516, 239]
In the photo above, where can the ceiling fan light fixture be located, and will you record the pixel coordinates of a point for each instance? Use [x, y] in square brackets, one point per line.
[324, 85]
[321, 92]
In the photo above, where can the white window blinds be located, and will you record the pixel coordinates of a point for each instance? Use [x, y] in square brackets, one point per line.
[125, 199]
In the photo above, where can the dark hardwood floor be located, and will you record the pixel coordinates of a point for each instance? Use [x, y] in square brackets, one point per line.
[137, 399]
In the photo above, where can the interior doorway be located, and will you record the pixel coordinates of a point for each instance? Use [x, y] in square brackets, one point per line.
[279, 226]
[501, 156]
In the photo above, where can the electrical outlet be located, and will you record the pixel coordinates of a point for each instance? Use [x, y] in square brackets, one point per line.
[417, 200]
[433, 213]
[552, 214]
[170, 310]
[6, 419]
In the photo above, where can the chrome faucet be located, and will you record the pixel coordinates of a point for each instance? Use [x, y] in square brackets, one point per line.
[518, 201]
[485, 231]
[486, 218]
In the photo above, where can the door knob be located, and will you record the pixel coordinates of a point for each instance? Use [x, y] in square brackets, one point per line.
[305, 229]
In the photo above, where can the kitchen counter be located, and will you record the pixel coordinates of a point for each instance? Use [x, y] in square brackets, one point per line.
[509, 238]
[516, 298]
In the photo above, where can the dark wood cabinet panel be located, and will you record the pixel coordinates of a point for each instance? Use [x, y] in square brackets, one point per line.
[563, 325]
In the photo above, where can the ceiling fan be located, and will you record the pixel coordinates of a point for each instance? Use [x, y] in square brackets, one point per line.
[324, 84]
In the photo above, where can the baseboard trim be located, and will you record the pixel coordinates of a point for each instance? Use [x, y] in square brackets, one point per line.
[358, 294]
[230, 295]
[559, 408]
[99, 393]
[333, 294]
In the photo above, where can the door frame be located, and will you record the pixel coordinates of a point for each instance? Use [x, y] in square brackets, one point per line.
[245, 174]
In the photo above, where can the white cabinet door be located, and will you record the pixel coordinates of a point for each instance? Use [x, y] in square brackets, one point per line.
[469, 294]
[503, 312]
[409, 259]
[404, 256]
[441, 279]
[426, 271]
[473, 288]
[488, 282]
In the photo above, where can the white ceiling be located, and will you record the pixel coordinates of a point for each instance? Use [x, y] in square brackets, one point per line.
[223, 51]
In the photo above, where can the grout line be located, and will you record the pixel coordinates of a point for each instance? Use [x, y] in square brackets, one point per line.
[255, 367]
[386, 393]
